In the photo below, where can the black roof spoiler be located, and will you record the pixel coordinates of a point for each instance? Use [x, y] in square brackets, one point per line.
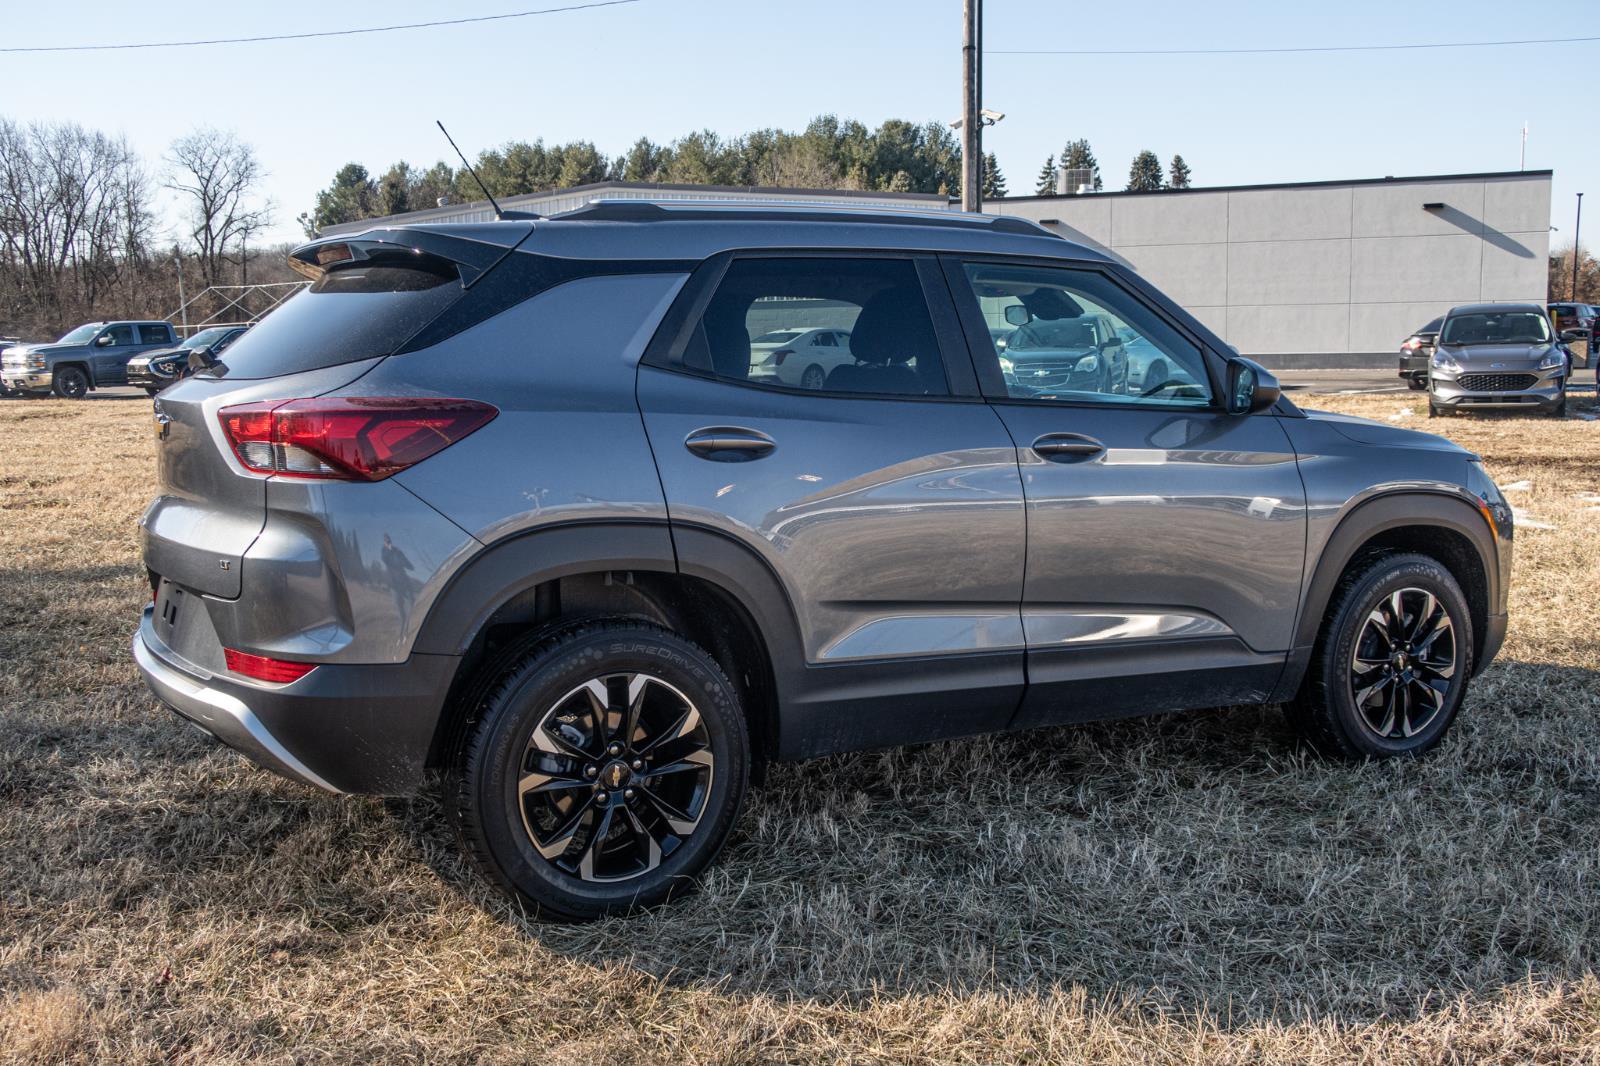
[471, 256]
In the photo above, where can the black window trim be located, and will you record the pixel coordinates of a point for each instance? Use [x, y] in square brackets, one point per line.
[666, 348]
[988, 371]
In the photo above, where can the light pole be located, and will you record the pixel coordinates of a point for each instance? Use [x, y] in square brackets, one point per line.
[971, 95]
[183, 302]
[1575, 226]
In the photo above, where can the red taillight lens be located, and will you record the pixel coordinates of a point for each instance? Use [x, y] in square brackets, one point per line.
[1412, 345]
[365, 438]
[779, 356]
[264, 669]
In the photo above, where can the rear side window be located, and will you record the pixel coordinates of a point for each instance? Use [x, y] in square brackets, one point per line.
[154, 335]
[358, 312]
[875, 307]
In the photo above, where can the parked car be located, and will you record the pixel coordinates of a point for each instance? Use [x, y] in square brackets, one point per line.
[1579, 320]
[155, 370]
[1061, 349]
[1149, 370]
[7, 343]
[508, 501]
[1416, 352]
[92, 356]
[1499, 356]
[800, 357]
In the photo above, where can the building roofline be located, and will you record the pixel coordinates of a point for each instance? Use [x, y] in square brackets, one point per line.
[1417, 179]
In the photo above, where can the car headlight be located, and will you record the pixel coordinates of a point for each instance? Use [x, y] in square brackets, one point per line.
[35, 362]
[1087, 365]
[1443, 360]
[1553, 358]
[1006, 365]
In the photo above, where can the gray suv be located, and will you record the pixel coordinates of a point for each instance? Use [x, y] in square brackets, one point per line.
[1499, 356]
[509, 501]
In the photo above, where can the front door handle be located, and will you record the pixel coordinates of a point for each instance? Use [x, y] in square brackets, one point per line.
[729, 444]
[1067, 447]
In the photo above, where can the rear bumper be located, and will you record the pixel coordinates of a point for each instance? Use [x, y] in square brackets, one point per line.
[1414, 366]
[365, 729]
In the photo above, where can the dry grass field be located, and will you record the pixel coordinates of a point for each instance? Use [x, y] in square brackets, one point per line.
[1185, 889]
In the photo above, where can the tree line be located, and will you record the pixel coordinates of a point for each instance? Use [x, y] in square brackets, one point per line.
[830, 153]
[1145, 174]
[80, 236]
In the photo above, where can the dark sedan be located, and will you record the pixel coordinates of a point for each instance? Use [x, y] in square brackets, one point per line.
[154, 371]
[1416, 352]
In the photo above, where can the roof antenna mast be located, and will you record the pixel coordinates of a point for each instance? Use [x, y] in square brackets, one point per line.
[498, 214]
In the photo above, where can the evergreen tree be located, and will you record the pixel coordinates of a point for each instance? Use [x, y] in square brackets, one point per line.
[1178, 174]
[352, 196]
[1077, 155]
[1046, 185]
[994, 182]
[1145, 174]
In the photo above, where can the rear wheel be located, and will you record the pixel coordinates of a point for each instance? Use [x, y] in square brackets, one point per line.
[1391, 664]
[70, 383]
[813, 378]
[604, 771]
[1416, 382]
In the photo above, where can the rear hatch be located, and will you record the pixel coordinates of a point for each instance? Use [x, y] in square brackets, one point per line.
[369, 295]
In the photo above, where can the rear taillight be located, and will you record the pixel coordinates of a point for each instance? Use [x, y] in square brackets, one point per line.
[779, 356]
[264, 669]
[365, 438]
[1412, 345]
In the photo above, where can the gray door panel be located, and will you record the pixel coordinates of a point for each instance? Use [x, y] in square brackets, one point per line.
[895, 526]
[1184, 525]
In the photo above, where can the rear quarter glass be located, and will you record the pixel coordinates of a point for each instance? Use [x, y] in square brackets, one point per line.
[357, 313]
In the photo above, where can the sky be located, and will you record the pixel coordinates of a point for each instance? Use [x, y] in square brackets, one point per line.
[663, 68]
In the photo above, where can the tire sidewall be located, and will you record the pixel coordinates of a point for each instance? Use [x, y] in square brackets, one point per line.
[516, 709]
[1347, 624]
[66, 374]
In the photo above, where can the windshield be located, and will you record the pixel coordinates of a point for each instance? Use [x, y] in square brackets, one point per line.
[1497, 327]
[81, 335]
[782, 336]
[205, 338]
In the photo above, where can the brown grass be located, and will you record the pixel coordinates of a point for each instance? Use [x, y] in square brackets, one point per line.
[1190, 888]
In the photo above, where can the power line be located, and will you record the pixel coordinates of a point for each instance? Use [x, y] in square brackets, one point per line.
[1277, 51]
[322, 33]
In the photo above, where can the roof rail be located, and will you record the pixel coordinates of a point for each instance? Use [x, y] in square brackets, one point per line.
[617, 209]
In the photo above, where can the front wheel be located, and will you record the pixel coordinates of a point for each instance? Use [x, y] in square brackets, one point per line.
[604, 771]
[1390, 666]
[70, 383]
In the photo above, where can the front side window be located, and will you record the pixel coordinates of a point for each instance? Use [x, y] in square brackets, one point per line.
[119, 335]
[759, 326]
[1496, 327]
[1075, 336]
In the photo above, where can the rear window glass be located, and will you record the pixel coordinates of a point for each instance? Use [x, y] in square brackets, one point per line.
[358, 312]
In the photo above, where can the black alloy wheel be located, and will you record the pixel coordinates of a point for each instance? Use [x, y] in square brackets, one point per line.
[615, 777]
[70, 383]
[1392, 660]
[604, 770]
[1403, 663]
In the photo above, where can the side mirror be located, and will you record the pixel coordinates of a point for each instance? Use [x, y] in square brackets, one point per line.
[200, 359]
[1017, 315]
[1251, 387]
[104, 340]
[1570, 335]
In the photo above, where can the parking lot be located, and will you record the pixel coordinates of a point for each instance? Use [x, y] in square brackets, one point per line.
[1177, 889]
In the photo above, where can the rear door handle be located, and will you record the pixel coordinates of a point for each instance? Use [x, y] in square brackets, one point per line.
[1067, 447]
[729, 444]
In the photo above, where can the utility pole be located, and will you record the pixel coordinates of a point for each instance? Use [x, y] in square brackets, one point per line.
[971, 101]
[1574, 296]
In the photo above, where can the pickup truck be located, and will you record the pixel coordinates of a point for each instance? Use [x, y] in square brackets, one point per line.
[92, 356]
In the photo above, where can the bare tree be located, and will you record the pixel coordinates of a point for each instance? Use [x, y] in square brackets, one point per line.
[220, 176]
[75, 220]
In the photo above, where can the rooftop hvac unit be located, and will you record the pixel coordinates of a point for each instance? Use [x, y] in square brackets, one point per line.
[1074, 181]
